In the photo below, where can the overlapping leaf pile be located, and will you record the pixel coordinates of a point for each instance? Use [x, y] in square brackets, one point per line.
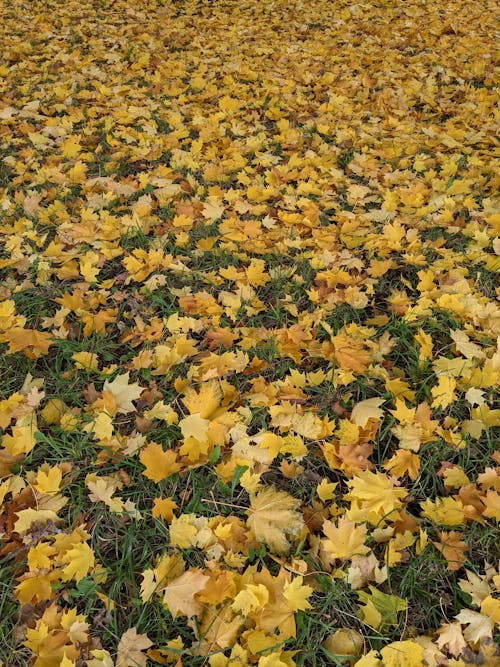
[249, 333]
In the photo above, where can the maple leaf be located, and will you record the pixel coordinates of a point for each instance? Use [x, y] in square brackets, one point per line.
[123, 392]
[296, 594]
[444, 392]
[478, 625]
[272, 515]
[402, 654]
[32, 343]
[444, 511]
[130, 649]
[22, 439]
[345, 539]
[79, 561]
[212, 209]
[373, 496]
[48, 481]
[452, 548]
[163, 508]
[451, 638]
[27, 517]
[403, 462]
[371, 659]
[203, 401]
[344, 642]
[350, 354]
[365, 410]
[194, 426]
[179, 594]
[102, 489]
[490, 606]
[100, 658]
[475, 586]
[251, 598]
[159, 464]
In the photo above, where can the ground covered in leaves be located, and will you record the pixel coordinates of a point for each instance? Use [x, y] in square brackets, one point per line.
[248, 334]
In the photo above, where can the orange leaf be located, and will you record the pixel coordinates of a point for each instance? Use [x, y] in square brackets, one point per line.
[452, 548]
[159, 464]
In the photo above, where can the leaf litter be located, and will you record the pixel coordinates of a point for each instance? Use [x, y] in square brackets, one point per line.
[249, 330]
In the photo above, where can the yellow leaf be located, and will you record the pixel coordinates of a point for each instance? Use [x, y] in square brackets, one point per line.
[203, 401]
[478, 625]
[444, 511]
[385, 605]
[34, 589]
[178, 595]
[66, 662]
[490, 606]
[403, 462]
[344, 642]
[101, 427]
[272, 515]
[350, 354]
[194, 426]
[22, 440]
[403, 654]
[8, 408]
[444, 392]
[475, 586]
[326, 489]
[296, 594]
[102, 490]
[368, 660]
[162, 411]
[130, 649]
[183, 531]
[365, 410]
[163, 508]
[123, 392]
[250, 599]
[452, 548]
[70, 147]
[212, 209]
[39, 556]
[451, 638]
[88, 266]
[159, 464]
[425, 342]
[80, 560]
[345, 539]
[373, 496]
[100, 658]
[465, 346]
[48, 482]
[25, 518]
[86, 360]
[273, 660]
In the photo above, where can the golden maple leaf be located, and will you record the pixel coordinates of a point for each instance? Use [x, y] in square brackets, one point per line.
[373, 496]
[273, 515]
[79, 561]
[345, 539]
[406, 653]
[159, 464]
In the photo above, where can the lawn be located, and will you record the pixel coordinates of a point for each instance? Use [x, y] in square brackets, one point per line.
[249, 325]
